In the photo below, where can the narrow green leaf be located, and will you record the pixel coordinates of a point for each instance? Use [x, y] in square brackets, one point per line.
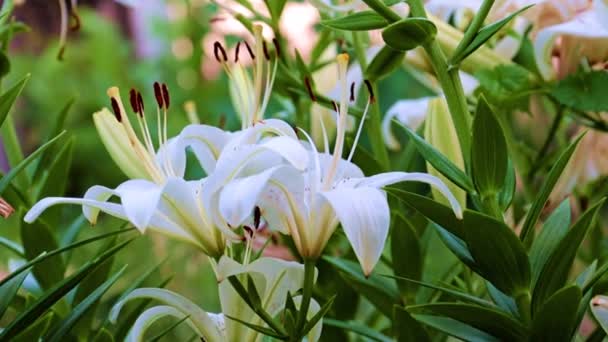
[358, 328]
[583, 91]
[358, 21]
[258, 328]
[36, 331]
[60, 332]
[5, 65]
[554, 229]
[409, 33]
[318, 316]
[168, 330]
[554, 274]
[489, 159]
[6, 180]
[406, 254]
[490, 321]
[545, 191]
[440, 162]
[505, 196]
[484, 35]
[37, 238]
[381, 292]
[505, 302]
[50, 297]
[252, 292]
[455, 328]
[457, 246]
[8, 291]
[385, 61]
[12, 246]
[275, 7]
[557, 318]
[406, 328]
[8, 98]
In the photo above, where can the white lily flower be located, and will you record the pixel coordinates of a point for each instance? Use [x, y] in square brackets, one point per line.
[157, 198]
[412, 112]
[309, 205]
[273, 279]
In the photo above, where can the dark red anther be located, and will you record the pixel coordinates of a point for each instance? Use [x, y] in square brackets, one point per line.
[165, 95]
[158, 94]
[248, 230]
[265, 49]
[236, 53]
[217, 49]
[249, 50]
[277, 47]
[352, 92]
[257, 214]
[140, 104]
[116, 109]
[133, 100]
[309, 88]
[333, 103]
[372, 98]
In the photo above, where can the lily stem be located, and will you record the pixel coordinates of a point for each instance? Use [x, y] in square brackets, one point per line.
[472, 30]
[309, 282]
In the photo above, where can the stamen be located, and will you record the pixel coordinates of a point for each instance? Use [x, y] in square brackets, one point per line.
[333, 103]
[249, 50]
[265, 49]
[217, 49]
[133, 101]
[277, 47]
[140, 103]
[309, 88]
[158, 94]
[372, 98]
[257, 213]
[352, 92]
[165, 95]
[116, 109]
[236, 53]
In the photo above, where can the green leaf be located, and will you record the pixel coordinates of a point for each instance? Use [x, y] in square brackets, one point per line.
[59, 333]
[385, 61]
[545, 191]
[583, 91]
[258, 328]
[381, 292]
[35, 331]
[599, 308]
[455, 328]
[557, 318]
[252, 293]
[500, 257]
[406, 328]
[489, 159]
[359, 21]
[37, 238]
[555, 272]
[554, 229]
[490, 321]
[507, 86]
[484, 35]
[12, 246]
[409, 33]
[5, 65]
[505, 196]
[7, 99]
[50, 297]
[8, 291]
[406, 255]
[168, 330]
[440, 162]
[358, 328]
[502, 300]
[318, 316]
[275, 7]
[6, 180]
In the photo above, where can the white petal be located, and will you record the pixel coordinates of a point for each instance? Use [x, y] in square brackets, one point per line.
[96, 193]
[469, 83]
[150, 316]
[207, 142]
[365, 218]
[172, 155]
[38, 208]
[411, 113]
[388, 178]
[199, 318]
[290, 149]
[139, 199]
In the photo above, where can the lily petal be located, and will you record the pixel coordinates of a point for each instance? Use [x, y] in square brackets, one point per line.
[409, 112]
[207, 142]
[153, 314]
[365, 217]
[139, 199]
[113, 209]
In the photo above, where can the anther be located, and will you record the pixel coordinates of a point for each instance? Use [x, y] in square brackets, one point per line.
[333, 103]
[257, 213]
[372, 98]
[133, 100]
[352, 92]
[265, 49]
[158, 95]
[309, 88]
[165, 95]
[116, 109]
[249, 50]
[140, 103]
[217, 49]
[236, 53]
[277, 47]
[248, 230]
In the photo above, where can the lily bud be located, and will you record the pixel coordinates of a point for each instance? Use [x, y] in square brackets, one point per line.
[440, 132]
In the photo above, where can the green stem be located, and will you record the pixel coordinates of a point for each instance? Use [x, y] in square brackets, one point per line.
[374, 126]
[383, 10]
[523, 306]
[543, 150]
[472, 30]
[309, 282]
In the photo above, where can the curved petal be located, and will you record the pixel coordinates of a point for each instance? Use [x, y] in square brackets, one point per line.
[388, 178]
[207, 142]
[150, 316]
[171, 157]
[409, 112]
[113, 209]
[96, 193]
[140, 200]
[199, 318]
[365, 218]
[290, 149]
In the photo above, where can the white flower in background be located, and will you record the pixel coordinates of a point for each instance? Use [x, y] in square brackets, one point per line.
[273, 279]
[309, 205]
[156, 197]
[413, 112]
